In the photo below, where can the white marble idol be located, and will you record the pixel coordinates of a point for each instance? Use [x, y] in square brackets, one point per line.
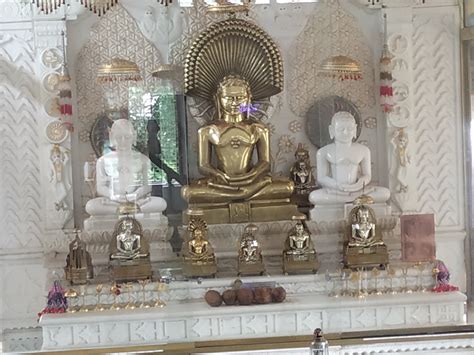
[344, 167]
[122, 177]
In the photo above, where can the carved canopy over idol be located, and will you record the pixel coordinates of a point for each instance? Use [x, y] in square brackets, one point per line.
[233, 47]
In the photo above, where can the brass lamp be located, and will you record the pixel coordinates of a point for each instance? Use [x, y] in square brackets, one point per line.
[319, 345]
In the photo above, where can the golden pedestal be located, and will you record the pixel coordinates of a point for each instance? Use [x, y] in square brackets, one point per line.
[76, 276]
[130, 270]
[300, 263]
[193, 269]
[250, 269]
[244, 212]
[360, 257]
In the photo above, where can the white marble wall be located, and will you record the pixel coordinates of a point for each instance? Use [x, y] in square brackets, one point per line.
[428, 68]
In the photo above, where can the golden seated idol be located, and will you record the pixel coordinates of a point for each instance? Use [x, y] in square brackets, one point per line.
[234, 148]
[299, 254]
[364, 246]
[250, 260]
[198, 255]
[129, 252]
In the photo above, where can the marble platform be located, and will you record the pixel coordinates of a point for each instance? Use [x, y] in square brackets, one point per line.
[298, 315]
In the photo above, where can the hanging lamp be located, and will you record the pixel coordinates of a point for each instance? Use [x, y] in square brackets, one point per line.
[117, 70]
[165, 2]
[339, 66]
[99, 7]
[48, 6]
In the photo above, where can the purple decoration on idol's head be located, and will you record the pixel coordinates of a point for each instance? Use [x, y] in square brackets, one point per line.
[249, 108]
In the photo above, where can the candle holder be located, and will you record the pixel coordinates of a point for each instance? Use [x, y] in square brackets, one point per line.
[345, 275]
[99, 307]
[420, 267]
[143, 284]
[357, 277]
[115, 291]
[391, 273]
[130, 304]
[405, 288]
[71, 294]
[376, 290]
[160, 287]
[82, 293]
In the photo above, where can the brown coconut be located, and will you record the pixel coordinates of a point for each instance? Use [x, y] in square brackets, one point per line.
[245, 296]
[263, 295]
[229, 297]
[213, 298]
[278, 294]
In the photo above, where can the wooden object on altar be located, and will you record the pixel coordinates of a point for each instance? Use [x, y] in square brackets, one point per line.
[418, 237]
[129, 252]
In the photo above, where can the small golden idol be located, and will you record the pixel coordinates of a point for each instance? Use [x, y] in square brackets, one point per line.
[198, 255]
[363, 245]
[299, 254]
[250, 254]
[78, 262]
[129, 252]
[301, 172]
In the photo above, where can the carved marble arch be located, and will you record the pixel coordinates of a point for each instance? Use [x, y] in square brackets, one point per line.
[330, 30]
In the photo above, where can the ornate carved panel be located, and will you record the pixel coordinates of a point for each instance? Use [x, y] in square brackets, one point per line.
[20, 188]
[437, 120]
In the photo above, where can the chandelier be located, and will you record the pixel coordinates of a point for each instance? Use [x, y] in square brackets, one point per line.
[48, 6]
[99, 7]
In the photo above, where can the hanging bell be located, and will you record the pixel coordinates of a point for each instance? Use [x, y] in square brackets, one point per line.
[319, 345]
